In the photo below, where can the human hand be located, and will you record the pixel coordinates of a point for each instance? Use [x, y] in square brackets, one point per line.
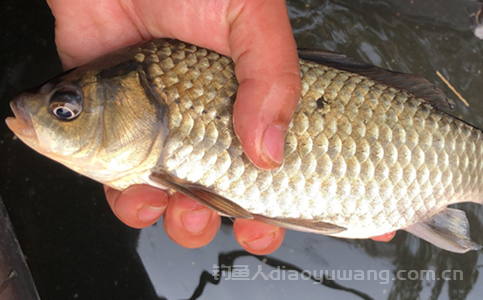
[256, 34]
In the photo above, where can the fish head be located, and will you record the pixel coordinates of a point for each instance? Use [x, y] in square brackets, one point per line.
[98, 120]
[56, 120]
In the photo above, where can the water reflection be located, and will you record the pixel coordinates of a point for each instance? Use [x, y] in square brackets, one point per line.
[399, 36]
[406, 268]
[283, 270]
[419, 37]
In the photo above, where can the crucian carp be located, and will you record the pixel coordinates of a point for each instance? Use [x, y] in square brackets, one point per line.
[368, 151]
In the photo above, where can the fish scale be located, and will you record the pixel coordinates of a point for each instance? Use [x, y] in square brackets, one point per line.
[348, 161]
[367, 152]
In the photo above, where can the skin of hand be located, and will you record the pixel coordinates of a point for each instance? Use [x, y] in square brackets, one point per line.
[256, 34]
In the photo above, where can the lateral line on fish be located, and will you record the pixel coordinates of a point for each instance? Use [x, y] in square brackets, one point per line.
[452, 88]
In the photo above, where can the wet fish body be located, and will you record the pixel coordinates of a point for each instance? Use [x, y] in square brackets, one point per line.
[368, 151]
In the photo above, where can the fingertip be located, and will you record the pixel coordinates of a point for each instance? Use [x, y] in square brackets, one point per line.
[258, 238]
[190, 224]
[138, 206]
[384, 237]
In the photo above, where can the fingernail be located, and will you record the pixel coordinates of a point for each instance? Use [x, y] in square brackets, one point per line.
[150, 213]
[273, 143]
[196, 221]
[261, 243]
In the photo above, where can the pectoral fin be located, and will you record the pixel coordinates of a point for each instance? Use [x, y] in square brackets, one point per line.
[231, 209]
[307, 225]
[448, 230]
[203, 195]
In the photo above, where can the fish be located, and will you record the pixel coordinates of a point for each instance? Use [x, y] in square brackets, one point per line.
[368, 151]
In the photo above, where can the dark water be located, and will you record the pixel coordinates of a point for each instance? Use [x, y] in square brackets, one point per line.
[76, 249]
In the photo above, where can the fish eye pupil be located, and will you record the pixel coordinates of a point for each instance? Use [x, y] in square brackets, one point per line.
[63, 113]
[66, 103]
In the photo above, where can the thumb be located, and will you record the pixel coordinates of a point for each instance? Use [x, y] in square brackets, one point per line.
[263, 47]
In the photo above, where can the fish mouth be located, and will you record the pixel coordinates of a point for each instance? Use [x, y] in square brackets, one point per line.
[21, 124]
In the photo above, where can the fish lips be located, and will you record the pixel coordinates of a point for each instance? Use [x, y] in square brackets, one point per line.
[21, 124]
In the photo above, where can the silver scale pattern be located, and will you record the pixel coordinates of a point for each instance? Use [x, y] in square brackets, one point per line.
[358, 154]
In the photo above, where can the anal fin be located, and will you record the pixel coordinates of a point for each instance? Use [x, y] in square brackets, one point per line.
[202, 195]
[448, 230]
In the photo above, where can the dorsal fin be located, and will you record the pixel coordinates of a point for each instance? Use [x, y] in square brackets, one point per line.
[418, 86]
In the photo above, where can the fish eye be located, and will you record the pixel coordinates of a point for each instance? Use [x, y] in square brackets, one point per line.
[66, 103]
